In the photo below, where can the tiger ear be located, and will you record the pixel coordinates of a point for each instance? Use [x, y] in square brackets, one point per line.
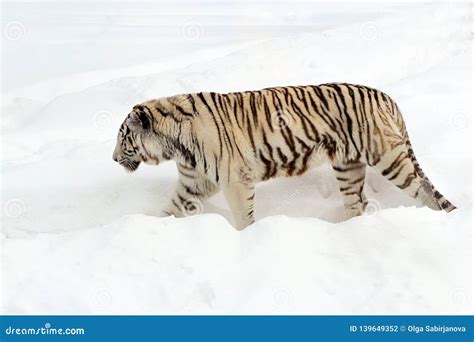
[139, 119]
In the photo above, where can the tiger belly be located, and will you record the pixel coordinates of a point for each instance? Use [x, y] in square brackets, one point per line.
[277, 160]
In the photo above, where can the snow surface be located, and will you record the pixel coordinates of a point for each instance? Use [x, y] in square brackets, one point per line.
[81, 236]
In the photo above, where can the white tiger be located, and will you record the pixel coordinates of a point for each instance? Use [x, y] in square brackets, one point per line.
[232, 141]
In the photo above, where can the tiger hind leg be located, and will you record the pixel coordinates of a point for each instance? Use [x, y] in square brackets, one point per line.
[241, 198]
[399, 166]
[351, 179]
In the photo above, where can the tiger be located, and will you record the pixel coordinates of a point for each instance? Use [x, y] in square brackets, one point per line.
[231, 141]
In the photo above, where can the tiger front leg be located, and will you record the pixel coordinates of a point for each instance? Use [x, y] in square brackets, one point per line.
[241, 198]
[191, 191]
[183, 204]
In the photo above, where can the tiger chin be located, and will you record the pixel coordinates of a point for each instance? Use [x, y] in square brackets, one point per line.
[232, 141]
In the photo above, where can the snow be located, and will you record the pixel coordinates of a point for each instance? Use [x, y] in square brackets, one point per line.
[140, 264]
[81, 236]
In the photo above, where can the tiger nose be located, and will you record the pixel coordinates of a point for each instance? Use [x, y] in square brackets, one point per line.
[116, 154]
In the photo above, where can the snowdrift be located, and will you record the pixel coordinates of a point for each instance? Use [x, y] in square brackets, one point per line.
[389, 262]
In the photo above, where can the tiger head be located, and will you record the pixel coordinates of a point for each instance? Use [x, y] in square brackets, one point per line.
[132, 137]
[149, 133]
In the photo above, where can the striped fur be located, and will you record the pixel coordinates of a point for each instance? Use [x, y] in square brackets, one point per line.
[232, 141]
